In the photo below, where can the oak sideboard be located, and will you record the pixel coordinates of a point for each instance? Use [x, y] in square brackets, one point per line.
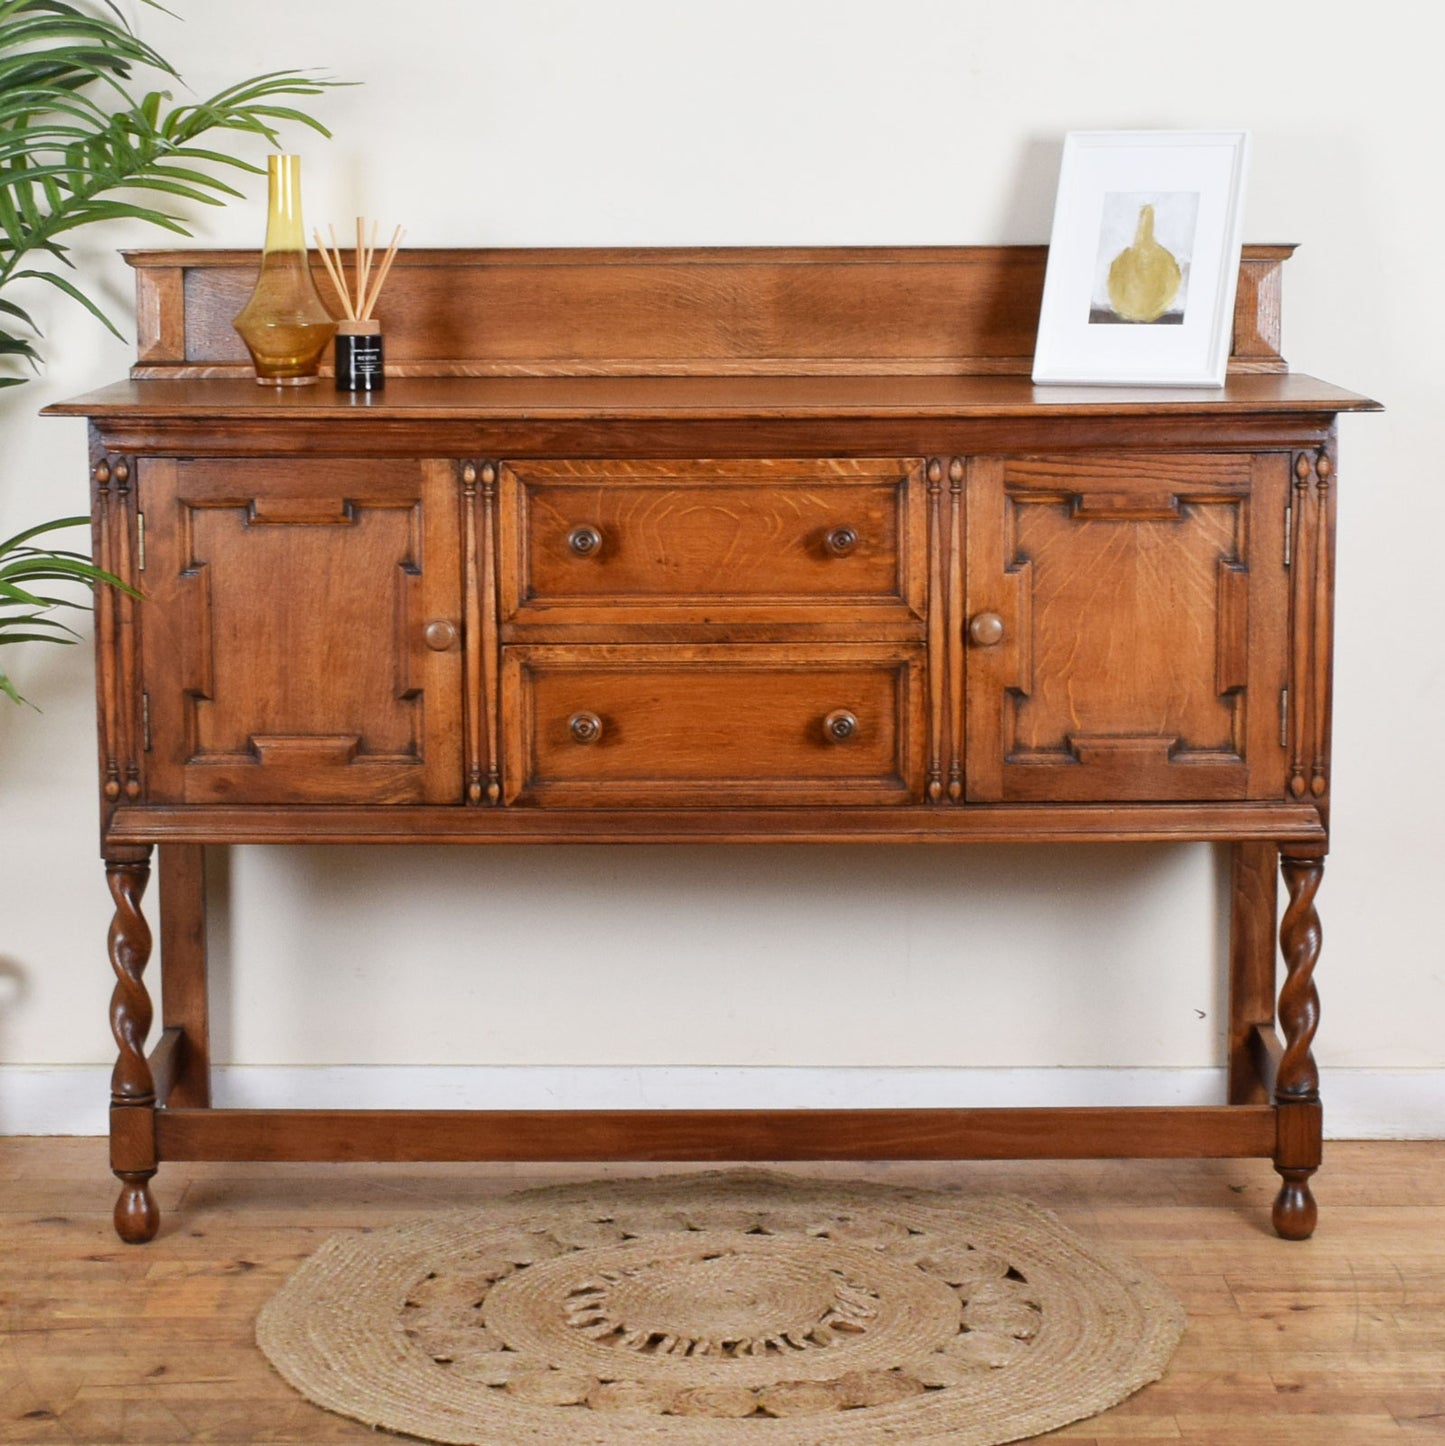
[709, 545]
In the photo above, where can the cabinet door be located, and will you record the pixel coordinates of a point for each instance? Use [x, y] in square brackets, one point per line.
[300, 637]
[1126, 626]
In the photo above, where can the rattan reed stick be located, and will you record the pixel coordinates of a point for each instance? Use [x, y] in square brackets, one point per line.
[370, 277]
[381, 274]
[360, 260]
[332, 270]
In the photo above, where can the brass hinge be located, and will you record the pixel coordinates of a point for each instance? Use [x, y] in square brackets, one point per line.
[1288, 530]
[1284, 717]
[145, 720]
[140, 541]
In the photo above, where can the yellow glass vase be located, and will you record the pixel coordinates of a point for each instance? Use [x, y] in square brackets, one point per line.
[285, 324]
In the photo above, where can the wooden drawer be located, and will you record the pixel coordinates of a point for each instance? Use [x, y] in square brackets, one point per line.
[603, 544]
[698, 726]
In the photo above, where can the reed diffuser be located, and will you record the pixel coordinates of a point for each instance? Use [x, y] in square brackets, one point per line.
[360, 356]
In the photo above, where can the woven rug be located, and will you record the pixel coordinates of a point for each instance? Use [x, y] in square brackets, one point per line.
[730, 1308]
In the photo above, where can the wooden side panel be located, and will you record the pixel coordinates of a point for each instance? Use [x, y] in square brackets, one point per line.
[1257, 313]
[1253, 909]
[1311, 604]
[116, 532]
[1141, 628]
[160, 318]
[287, 653]
[185, 1005]
[713, 725]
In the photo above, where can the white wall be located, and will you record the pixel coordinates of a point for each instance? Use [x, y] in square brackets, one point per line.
[573, 122]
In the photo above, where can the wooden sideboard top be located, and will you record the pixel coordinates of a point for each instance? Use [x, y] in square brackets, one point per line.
[730, 398]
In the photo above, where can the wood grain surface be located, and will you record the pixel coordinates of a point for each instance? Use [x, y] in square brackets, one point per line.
[559, 311]
[1338, 1340]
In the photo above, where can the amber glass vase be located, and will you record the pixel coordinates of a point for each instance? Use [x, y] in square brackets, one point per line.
[285, 324]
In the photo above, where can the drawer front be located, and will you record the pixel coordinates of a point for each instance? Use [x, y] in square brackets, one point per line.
[698, 726]
[767, 541]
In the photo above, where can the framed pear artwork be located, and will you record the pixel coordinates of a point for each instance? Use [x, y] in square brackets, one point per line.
[1143, 259]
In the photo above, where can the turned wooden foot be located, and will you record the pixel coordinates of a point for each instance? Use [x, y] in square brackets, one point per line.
[1295, 1211]
[136, 1217]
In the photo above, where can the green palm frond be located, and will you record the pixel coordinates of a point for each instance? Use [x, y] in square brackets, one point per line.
[80, 147]
[28, 595]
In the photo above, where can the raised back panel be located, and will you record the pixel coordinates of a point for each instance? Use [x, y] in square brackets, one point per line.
[969, 310]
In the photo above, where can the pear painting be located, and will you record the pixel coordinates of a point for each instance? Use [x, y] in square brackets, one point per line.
[1144, 277]
[1142, 269]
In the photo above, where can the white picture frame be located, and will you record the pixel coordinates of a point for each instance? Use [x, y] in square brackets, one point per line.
[1130, 204]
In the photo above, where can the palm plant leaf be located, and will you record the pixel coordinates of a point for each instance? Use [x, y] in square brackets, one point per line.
[70, 157]
[25, 608]
[55, 524]
[78, 147]
[10, 635]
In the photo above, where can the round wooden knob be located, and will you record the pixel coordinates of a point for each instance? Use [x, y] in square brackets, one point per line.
[840, 541]
[584, 541]
[839, 726]
[986, 629]
[439, 635]
[585, 727]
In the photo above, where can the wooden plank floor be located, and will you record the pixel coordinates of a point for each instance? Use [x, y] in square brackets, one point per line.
[1339, 1341]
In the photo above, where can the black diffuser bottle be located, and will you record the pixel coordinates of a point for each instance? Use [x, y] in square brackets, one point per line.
[360, 356]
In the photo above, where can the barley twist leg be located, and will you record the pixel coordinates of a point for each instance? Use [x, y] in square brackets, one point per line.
[132, 1088]
[1297, 1093]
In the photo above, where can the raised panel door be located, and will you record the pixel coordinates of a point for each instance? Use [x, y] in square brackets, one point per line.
[301, 631]
[1127, 619]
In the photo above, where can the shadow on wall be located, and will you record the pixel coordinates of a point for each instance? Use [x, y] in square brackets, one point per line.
[14, 989]
[1027, 213]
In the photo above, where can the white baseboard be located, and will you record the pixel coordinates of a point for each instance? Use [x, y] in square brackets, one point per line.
[1360, 1104]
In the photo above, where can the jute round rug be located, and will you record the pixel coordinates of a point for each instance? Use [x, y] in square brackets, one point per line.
[730, 1308]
